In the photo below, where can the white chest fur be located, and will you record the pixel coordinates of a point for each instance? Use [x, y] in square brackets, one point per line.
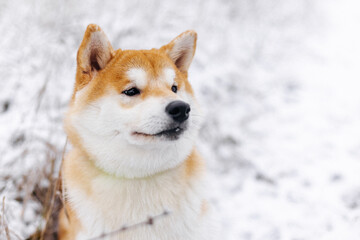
[104, 203]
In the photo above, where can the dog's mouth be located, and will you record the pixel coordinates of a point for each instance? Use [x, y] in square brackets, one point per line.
[171, 133]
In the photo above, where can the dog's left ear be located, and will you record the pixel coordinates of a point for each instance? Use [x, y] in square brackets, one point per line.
[181, 50]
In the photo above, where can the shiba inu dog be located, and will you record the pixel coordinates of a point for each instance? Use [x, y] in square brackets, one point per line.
[132, 122]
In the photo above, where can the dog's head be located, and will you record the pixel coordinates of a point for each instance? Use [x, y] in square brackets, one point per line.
[133, 111]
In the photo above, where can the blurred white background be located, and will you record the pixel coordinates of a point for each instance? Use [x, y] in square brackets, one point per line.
[278, 80]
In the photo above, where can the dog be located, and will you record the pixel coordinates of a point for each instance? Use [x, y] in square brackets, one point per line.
[132, 123]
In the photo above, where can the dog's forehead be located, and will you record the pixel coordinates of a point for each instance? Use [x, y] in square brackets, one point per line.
[142, 76]
[145, 66]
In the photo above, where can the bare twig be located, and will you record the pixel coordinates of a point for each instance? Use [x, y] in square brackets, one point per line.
[149, 221]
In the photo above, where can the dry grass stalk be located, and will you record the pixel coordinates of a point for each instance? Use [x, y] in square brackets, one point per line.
[53, 190]
[50, 199]
[4, 223]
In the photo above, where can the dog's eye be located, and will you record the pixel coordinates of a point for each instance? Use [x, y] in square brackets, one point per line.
[174, 89]
[131, 92]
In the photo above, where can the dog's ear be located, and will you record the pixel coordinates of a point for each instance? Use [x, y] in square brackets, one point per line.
[94, 52]
[181, 50]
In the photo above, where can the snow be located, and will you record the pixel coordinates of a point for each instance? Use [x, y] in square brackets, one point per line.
[278, 81]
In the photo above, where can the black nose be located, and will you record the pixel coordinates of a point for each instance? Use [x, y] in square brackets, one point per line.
[178, 110]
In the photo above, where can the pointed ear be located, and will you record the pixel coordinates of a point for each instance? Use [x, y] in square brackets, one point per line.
[181, 50]
[95, 50]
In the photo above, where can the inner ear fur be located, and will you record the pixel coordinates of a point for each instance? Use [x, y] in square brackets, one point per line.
[94, 52]
[181, 50]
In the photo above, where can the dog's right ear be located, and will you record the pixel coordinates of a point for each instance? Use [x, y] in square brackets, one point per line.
[94, 53]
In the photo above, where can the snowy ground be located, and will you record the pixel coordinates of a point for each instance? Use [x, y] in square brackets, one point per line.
[279, 81]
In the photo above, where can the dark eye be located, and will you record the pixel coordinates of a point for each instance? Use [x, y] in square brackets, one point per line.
[131, 92]
[174, 89]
